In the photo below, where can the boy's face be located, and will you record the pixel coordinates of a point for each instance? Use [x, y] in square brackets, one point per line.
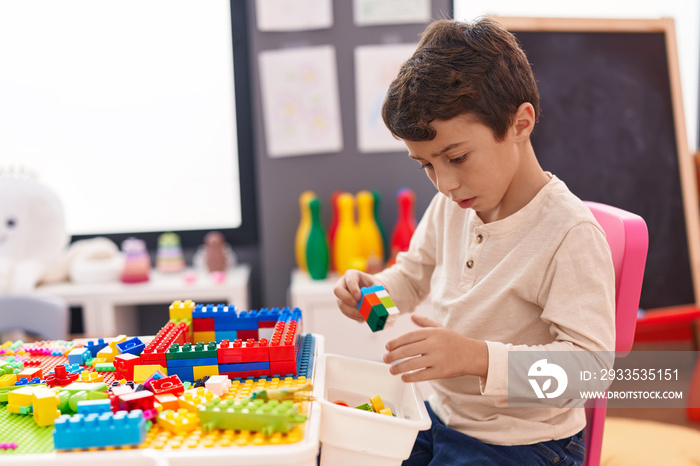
[466, 163]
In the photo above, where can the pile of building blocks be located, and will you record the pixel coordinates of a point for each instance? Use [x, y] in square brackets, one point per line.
[377, 308]
[175, 380]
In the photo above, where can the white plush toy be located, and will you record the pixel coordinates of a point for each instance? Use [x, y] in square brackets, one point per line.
[32, 232]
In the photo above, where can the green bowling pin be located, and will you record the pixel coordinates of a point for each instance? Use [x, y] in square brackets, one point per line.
[317, 258]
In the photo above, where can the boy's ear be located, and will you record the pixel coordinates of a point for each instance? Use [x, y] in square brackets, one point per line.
[524, 121]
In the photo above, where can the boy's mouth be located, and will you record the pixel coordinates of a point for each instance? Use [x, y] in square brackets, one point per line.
[466, 203]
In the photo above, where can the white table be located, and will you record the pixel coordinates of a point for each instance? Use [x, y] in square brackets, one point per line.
[109, 308]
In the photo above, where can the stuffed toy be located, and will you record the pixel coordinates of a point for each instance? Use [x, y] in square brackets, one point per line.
[32, 232]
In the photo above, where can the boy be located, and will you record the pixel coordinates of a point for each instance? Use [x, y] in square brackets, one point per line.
[513, 261]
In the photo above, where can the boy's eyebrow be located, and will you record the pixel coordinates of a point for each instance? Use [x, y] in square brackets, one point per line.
[437, 154]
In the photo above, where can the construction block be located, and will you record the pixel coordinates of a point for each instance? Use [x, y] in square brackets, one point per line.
[245, 366]
[283, 368]
[205, 337]
[199, 372]
[167, 401]
[182, 310]
[218, 384]
[60, 377]
[131, 346]
[86, 407]
[203, 325]
[19, 401]
[29, 373]
[6, 368]
[190, 351]
[191, 362]
[124, 365]
[45, 406]
[258, 415]
[243, 351]
[8, 380]
[267, 318]
[171, 384]
[78, 391]
[246, 374]
[99, 430]
[185, 373]
[194, 397]
[229, 335]
[143, 372]
[74, 368]
[248, 334]
[95, 346]
[283, 344]
[377, 307]
[156, 376]
[142, 400]
[90, 377]
[179, 421]
[79, 356]
[105, 367]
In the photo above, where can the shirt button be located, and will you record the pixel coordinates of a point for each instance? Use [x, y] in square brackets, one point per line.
[479, 238]
[470, 264]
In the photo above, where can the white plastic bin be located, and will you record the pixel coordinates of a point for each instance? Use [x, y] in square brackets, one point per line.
[355, 437]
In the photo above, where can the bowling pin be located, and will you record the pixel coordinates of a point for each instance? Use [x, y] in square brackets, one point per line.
[317, 245]
[302, 235]
[345, 250]
[333, 226]
[370, 238]
[405, 222]
[378, 219]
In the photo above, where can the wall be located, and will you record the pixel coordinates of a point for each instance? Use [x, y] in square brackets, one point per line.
[280, 181]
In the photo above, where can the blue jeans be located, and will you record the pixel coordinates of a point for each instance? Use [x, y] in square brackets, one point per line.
[441, 445]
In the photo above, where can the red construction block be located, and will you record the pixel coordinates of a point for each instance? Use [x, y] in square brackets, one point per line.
[142, 400]
[171, 384]
[124, 365]
[248, 334]
[61, 377]
[203, 325]
[283, 368]
[283, 345]
[240, 351]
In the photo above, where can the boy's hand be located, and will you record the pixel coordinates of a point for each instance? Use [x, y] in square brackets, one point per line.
[347, 290]
[435, 352]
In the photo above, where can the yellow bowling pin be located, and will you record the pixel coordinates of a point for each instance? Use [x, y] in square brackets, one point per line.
[303, 230]
[370, 238]
[345, 249]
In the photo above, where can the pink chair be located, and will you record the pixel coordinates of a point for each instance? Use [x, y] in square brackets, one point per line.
[628, 238]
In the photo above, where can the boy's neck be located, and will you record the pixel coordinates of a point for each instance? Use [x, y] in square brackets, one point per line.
[529, 180]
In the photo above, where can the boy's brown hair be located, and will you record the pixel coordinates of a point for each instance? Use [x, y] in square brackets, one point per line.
[476, 68]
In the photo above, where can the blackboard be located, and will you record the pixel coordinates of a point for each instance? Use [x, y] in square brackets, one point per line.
[612, 130]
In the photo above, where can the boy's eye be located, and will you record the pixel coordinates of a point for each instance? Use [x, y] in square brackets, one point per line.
[459, 159]
[423, 166]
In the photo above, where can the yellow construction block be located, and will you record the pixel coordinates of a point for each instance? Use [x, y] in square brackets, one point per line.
[92, 377]
[377, 403]
[204, 337]
[8, 380]
[143, 373]
[201, 371]
[45, 406]
[182, 309]
[21, 398]
[179, 421]
[196, 396]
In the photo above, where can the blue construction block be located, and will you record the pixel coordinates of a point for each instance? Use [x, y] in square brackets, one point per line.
[94, 406]
[305, 358]
[74, 368]
[34, 381]
[131, 346]
[185, 373]
[99, 430]
[191, 362]
[230, 335]
[268, 315]
[95, 347]
[242, 367]
[79, 356]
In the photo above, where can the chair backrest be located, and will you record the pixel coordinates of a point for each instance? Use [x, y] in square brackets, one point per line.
[628, 239]
[45, 316]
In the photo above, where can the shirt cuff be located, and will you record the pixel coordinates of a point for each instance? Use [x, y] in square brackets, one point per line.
[496, 381]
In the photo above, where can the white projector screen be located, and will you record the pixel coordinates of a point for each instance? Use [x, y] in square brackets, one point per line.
[125, 108]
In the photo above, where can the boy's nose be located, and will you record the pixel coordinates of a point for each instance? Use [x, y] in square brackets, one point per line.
[446, 183]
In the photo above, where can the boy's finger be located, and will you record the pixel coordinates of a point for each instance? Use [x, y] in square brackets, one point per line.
[423, 321]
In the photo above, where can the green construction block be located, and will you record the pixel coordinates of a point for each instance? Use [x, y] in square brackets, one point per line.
[255, 415]
[387, 301]
[105, 367]
[190, 351]
[377, 318]
[365, 407]
[23, 430]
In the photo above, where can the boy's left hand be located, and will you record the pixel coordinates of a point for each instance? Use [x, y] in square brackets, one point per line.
[435, 352]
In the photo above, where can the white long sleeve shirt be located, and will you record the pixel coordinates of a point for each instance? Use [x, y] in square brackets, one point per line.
[540, 279]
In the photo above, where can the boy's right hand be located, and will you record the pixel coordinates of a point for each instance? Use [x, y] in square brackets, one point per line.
[347, 290]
